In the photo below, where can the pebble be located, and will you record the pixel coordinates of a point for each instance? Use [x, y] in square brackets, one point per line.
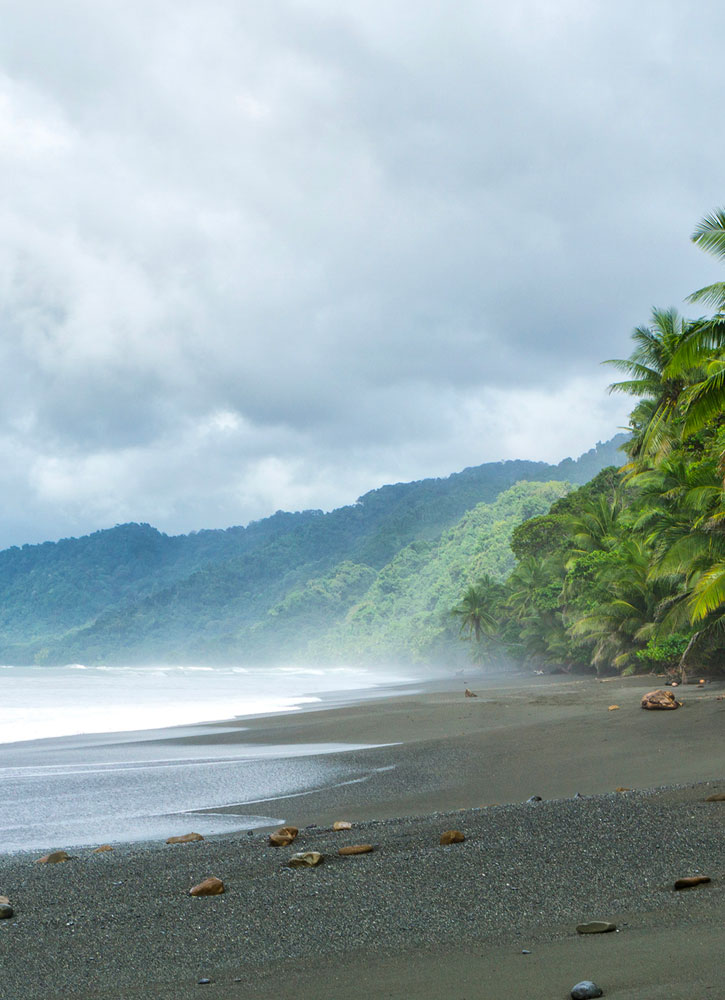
[356, 849]
[283, 837]
[6, 911]
[691, 882]
[209, 887]
[54, 858]
[585, 990]
[535, 798]
[452, 837]
[204, 982]
[306, 859]
[103, 849]
[596, 927]
[341, 824]
[525, 951]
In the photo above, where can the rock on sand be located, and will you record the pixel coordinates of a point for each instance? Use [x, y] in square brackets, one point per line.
[659, 699]
[209, 887]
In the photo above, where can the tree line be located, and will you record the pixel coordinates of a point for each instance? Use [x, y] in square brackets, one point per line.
[628, 572]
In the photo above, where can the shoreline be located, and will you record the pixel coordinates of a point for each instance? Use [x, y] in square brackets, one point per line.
[414, 918]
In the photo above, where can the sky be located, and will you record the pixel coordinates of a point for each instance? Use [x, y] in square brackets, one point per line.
[271, 256]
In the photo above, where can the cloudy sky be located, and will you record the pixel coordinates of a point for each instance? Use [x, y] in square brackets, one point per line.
[272, 255]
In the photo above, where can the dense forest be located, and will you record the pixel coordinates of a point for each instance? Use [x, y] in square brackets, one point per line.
[628, 572]
[371, 580]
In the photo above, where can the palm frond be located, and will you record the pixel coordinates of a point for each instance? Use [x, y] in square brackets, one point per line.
[710, 233]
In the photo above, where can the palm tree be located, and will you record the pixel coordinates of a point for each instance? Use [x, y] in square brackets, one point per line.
[474, 609]
[652, 380]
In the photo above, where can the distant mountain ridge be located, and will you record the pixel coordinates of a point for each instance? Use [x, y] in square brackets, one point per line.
[134, 594]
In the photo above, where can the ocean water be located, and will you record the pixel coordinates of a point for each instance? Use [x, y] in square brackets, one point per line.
[86, 756]
[43, 702]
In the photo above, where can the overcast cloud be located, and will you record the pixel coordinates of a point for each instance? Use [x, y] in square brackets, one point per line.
[260, 256]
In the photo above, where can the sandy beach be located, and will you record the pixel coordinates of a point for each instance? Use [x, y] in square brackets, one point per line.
[492, 917]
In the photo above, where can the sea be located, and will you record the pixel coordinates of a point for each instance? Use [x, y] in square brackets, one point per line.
[94, 754]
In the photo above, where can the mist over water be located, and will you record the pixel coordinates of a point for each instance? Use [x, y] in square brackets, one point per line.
[87, 755]
[43, 702]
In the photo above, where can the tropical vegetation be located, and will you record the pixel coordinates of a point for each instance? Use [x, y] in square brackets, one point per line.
[628, 572]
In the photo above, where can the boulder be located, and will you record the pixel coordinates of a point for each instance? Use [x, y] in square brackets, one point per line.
[284, 836]
[341, 824]
[186, 838]
[691, 881]
[452, 837]
[356, 849]
[306, 859]
[209, 887]
[659, 699]
[54, 858]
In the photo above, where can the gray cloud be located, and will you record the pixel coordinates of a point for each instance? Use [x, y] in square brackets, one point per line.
[261, 256]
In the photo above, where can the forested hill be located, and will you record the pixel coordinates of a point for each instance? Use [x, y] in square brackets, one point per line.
[131, 593]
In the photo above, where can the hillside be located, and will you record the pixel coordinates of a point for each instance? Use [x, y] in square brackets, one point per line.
[133, 594]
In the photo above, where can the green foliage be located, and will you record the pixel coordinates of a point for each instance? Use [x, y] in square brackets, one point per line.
[630, 569]
[284, 586]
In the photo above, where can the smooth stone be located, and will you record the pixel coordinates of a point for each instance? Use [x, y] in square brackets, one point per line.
[6, 911]
[356, 849]
[452, 837]
[54, 858]
[717, 797]
[613, 708]
[306, 859]
[659, 699]
[341, 824]
[284, 836]
[692, 881]
[203, 982]
[596, 927]
[209, 887]
[4, 899]
[103, 848]
[535, 798]
[585, 990]
[187, 838]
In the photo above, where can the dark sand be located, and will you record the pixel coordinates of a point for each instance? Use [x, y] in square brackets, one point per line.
[414, 919]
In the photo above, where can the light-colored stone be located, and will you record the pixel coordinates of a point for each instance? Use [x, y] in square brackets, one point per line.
[54, 858]
[341, 824]
[4, 899]
[284, 836]
[356, 849]
[691, 881]
[470, 694]
[613, 708]
[659, 699]
[103, 848]
[306, 859]
[452, 837]
[209, 887]
[596, 927]
[186, 838]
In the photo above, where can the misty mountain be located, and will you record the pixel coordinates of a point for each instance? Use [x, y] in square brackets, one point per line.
[134, 594]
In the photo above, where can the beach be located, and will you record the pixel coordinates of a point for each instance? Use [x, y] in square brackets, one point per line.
[494, 916]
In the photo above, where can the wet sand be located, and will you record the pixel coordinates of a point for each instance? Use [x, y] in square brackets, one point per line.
[414, 919]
